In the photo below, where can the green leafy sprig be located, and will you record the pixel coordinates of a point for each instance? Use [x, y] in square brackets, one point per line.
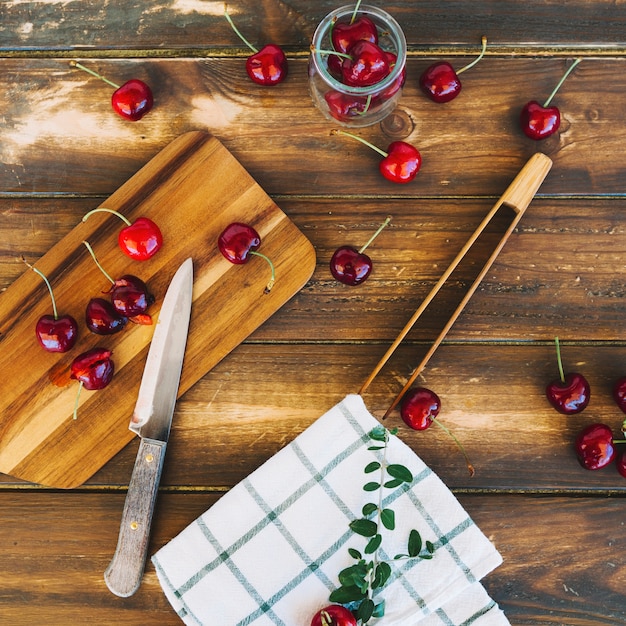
[369, 573]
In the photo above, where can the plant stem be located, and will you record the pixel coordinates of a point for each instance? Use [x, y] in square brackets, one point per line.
[93, 256]
[470, 467]
[356, 8]
[478, 58]
[380, 229]
[230, 21]
[80, 388]
[558, 86]
[86, 69]
[272, 280]
[45, 280]
[336, 131]
[104, 210]
[343, 55]
[558, 359]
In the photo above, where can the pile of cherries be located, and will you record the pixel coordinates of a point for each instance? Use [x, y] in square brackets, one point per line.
[595, 444]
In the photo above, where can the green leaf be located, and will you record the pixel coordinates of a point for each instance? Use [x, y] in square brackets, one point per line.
[372, 467]
[344, 595]
[382, 574]
[392, 484]
[354, 575]
[379, 609]
[401, 472]
[415, 543]
[376, 448]
[371, 486]
[355, 554]
[365, 610]
[373, 544]
[369, 508]
[430, 548]
[379, 433]
[364, 527]
[393, 431]
[388, 518]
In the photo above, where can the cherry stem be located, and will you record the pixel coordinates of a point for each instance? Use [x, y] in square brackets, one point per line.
[478, 58]
[470, 467]
[80, 388]
[336, 131]
[558, 86]
[230, 21]
[558, 359]
[45, 280]
[272, 280]
[105, 210]
[86, 69]
[330, 52]
[93, 256]
[380, 229]
[356, 8]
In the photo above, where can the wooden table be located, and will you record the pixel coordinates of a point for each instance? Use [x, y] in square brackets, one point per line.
[559, 528]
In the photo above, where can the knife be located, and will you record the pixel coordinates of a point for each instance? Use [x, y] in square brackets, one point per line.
[151, 420]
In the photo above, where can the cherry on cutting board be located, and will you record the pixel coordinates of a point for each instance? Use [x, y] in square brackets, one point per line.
[419, 409]
[140, 240]
[129, 294]
[351, 266]
[101, 317]
[570, 393]
[132, 100]
[55, 333]
[401, 162]
[594, 446]
[267, 66]
[441, 83]
[539, 121]
[93, 370]
[238, 242]
[334, 615]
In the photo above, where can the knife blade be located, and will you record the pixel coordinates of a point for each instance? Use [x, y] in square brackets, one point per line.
[151, 420]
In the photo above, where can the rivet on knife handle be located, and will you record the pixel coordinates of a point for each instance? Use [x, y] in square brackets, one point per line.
[124, 574]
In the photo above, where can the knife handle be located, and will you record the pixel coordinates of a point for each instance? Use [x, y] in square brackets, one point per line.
[124, 574]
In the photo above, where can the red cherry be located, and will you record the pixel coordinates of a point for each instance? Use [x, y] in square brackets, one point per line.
[401, 162]
[344, 107]
[140, 240]
[621, 463]
[101, 317]
[540, 121]
[594, 446]
[351, 266]
[131, 298]
[570, 393]
[94, 368]
[366, 66]
[55, 333]
[619, 393]
[397, 84]
[238, 242]
[132, 100]
[345, 34]
[420, 406]
[334, 615]
[267, 66]
[441, 83]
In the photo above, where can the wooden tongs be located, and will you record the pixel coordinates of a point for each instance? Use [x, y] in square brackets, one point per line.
[518, 196]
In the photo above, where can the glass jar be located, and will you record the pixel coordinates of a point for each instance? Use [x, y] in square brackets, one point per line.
[357, 106]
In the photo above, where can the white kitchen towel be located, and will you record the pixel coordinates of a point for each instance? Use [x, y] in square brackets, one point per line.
[270, 550]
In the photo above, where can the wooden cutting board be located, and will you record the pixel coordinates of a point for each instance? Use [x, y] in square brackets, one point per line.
[192, 189]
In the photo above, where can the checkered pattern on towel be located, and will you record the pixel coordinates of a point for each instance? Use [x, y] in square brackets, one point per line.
[269, 551]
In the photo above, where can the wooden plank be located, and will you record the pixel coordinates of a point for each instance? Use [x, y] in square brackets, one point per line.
[543, 579]
[60, 134]
[197, 25]
[193, 189]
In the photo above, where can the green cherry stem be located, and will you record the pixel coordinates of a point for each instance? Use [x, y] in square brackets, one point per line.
[356, 8]
[558, 86]
[336, 131]
[105, 210]
[232, 24]
[330, 52]
[45, 280]
[272, 280]
[80, 66]
[478, 58]
[558, 359]
[470, 467]
[380, 229]
[93, 256]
